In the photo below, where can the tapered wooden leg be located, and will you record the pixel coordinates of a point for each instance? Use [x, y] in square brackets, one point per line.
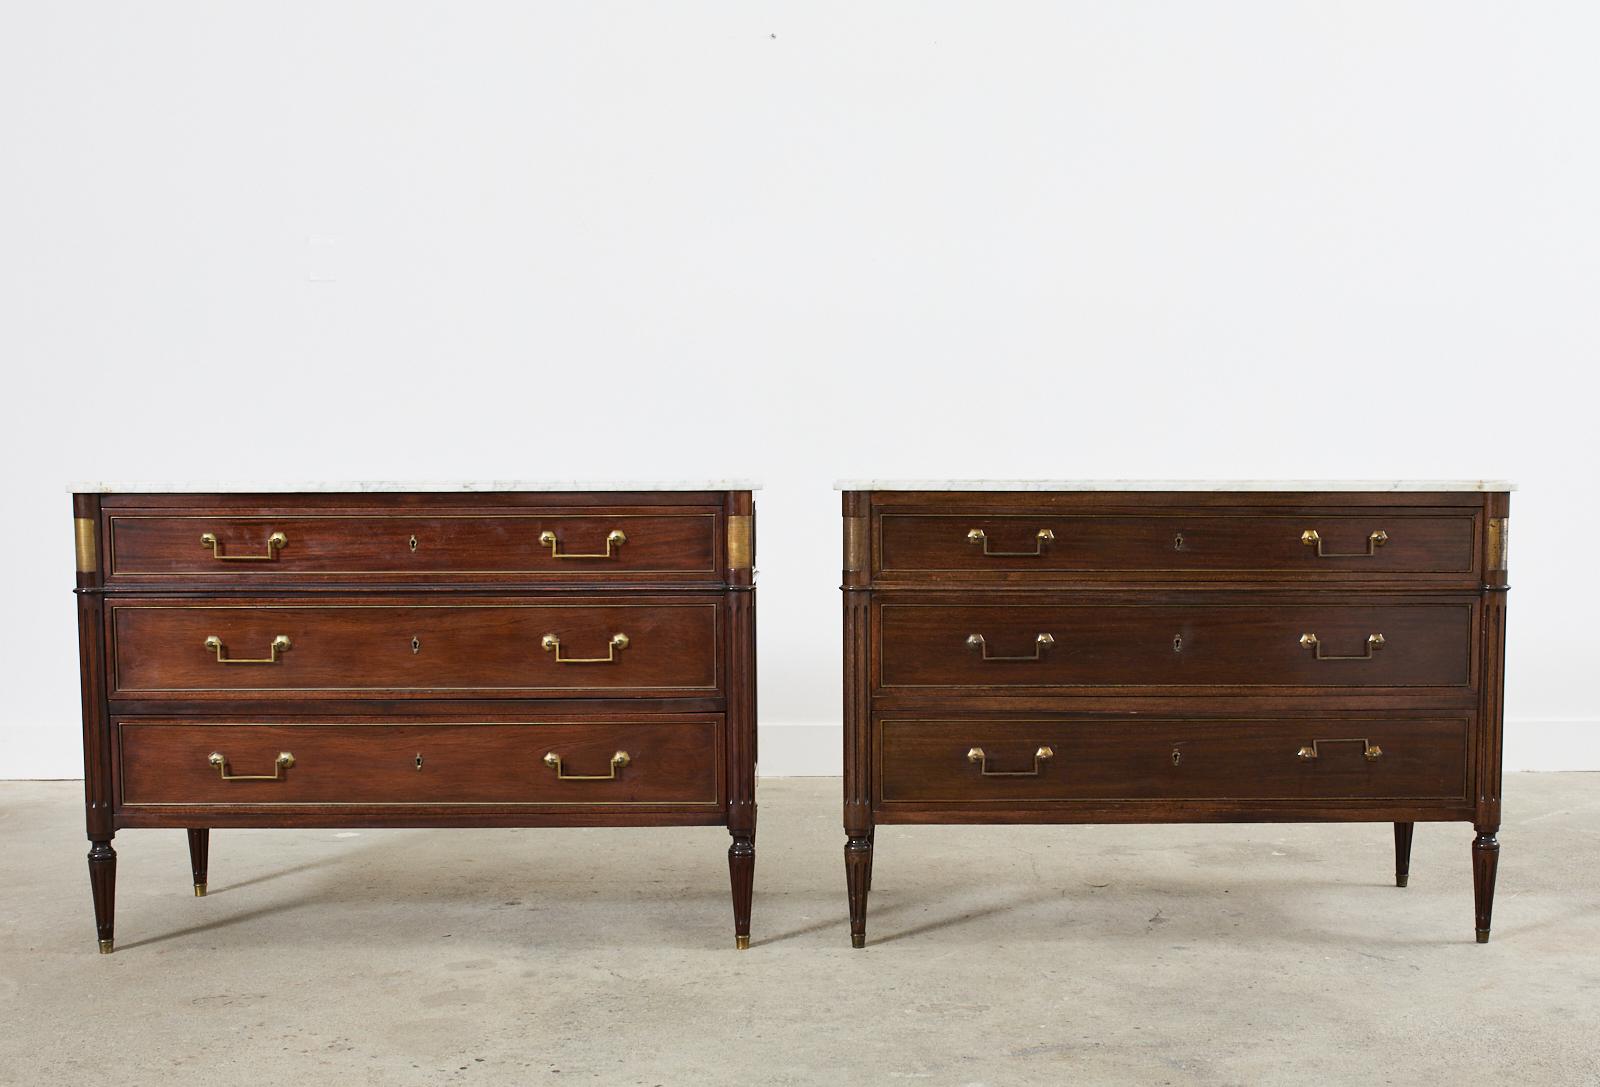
[1402, 853]
[858, 881]
[199, 848]
[742, 875]
[872, 841]
[103, 884]
[1485, 859]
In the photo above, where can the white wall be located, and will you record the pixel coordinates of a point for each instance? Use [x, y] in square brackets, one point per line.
[407, 240]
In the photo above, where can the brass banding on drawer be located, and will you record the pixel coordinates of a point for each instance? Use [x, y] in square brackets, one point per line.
[268, 547]
[1340, 542]
[672, 760]
[415, 648]
[1162, 644]
[1248, 759]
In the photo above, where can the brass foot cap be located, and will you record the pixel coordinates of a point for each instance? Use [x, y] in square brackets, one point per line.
[105, 947]
[1483, 935]
[199, 890]
[742, 943]
[858, 939]
[1401, 880]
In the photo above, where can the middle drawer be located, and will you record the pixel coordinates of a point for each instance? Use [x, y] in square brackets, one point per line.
[512, 648]
[1248, 643]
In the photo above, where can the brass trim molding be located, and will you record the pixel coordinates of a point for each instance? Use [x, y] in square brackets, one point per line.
[1498, 527]
[855, 544]
[83, 532]
[647, 571]
[740, 534]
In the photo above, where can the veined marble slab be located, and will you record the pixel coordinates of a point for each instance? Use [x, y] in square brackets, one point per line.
[1428, 485]
[337, 486]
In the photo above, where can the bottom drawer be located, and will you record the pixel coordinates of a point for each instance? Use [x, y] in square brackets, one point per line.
[591, 763]
[974, 761]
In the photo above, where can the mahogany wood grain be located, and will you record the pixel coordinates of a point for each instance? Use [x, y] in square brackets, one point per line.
[103, 888]
[675, 761]
[1234, 759]
[1485, 861]
[742, 735]
[422, 544]
[1174, 686]
[415, 647]
[433, 650]
[1180, 541]
[199, 857]
[1402, 852]
[1164, 643]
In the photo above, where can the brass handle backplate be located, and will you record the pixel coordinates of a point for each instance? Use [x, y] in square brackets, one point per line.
[1042, 537]
[619, 760]
[552, 644]
[282, 763]
[615, 538]
[1040, 644]
[1374, 642]
[1040, 756]
[279, 644]
[274, 543]
[1369, 751]
[1312, 538]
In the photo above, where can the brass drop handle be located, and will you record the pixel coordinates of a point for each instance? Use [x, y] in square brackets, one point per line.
[279, 644]
[274, 543]
[1369, 751]
[1312, 538]
[282, 763]
[614, 538]
[1042, 537]
[552, 644]
[1040, 644]
[619, 760]
[1374, 642]
[1040, 756]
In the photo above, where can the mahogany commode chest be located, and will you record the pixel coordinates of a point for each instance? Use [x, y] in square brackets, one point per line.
[387, 655]
[1173, 652]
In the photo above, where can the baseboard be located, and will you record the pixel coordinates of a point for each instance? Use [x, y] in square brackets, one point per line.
[1567, 744]
[814, 749]
[801, 750]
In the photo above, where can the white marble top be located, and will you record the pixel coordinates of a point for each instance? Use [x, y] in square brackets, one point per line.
[346, 486]
[1429, 485]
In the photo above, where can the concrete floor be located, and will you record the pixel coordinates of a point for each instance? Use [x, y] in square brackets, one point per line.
[1000, 956]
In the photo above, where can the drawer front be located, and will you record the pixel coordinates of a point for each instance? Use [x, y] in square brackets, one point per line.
[674, 761]
[420, 650]
[238, 548]
[1258, 759]
[1335, 542]
[1176, 645]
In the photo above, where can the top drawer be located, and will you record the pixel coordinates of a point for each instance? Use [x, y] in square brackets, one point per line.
[1332, 543]
[624, 543]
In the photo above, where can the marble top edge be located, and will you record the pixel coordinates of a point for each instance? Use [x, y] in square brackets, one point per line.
[1369, 485]
[389, 487]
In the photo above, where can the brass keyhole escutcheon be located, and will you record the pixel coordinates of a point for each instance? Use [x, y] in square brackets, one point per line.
[1177, 542]
[1177, 643]
[416, 645]
[1177, 756]
[412, 543]
[419, 762]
